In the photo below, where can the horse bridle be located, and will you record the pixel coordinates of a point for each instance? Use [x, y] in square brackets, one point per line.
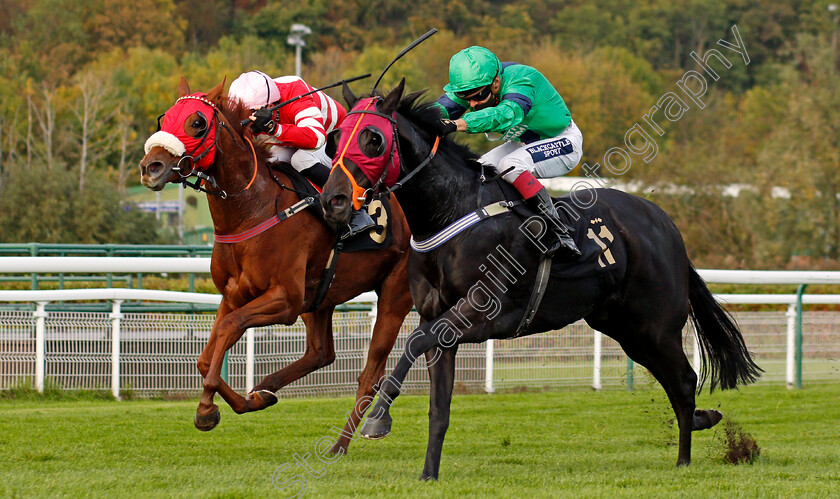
[375, 191]
[193, 160]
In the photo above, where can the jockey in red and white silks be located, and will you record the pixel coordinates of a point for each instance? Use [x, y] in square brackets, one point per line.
[295, 133]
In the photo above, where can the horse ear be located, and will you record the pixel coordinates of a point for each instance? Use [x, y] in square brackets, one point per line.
[393, 98]
[183, 87]
[349, 98]
[215, 94]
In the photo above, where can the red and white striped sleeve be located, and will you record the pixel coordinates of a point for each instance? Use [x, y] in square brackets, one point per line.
[333, 112]
[302, 122]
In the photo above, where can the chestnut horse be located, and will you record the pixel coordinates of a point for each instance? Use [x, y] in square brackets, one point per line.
[272, 277]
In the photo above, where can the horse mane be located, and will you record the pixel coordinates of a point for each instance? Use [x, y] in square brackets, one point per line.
[426, 114]
[234, 112]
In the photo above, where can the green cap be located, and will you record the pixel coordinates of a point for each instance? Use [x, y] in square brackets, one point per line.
[471, 68]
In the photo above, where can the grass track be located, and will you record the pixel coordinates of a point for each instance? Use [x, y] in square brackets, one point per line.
[565, 443]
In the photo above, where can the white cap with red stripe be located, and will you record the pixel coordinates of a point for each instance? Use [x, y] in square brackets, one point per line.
[254, 89]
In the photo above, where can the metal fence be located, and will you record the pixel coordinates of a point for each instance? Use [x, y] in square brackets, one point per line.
[156, 354]
[152, 353]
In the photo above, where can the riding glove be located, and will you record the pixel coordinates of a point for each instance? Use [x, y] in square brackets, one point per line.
[263, 122]
[445, 127]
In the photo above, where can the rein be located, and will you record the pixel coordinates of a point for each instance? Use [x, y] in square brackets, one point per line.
[201, 177]
[419, 167]
[267, 224]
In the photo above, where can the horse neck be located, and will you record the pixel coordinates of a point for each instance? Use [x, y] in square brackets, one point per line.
[441, 193]
[233, 170]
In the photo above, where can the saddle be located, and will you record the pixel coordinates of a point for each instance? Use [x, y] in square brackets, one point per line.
[376, 238]
[591, 231]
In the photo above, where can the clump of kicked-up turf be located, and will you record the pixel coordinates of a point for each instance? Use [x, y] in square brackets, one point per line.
[738, 446]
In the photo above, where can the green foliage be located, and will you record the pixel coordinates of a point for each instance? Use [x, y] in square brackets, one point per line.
[769, 125]
[45, 205]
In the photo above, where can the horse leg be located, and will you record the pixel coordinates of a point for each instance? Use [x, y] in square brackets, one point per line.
[320, 352]
[462, 323]
[393, 305]
[378, 424]
[273, 307]
[442, 380]
[207, 415]
[664, 357]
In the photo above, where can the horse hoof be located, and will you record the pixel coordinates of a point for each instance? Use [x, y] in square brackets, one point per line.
[426, 477]
[376, 429]
[267, 398]
[338, 449]
[704, 419]
[208, 422]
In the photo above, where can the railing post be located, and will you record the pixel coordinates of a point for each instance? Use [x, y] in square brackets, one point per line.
[488, 368]
[596, 361]
[249, 359]
[790, 355]
[116, 317]
[630, 380]
[373, 315]
[109, 277]
[799, 293]
[225, 368]
[33, 251]
[40, 315]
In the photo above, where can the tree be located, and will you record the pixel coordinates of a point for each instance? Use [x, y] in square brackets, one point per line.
[95, 114]
[147, 23]
[206, 21]
[46, 206]
[804, 147]
[52, 38]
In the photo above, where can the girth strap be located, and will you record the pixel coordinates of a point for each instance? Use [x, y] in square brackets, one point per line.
[537, 294]
[462, 224]
[326, 277]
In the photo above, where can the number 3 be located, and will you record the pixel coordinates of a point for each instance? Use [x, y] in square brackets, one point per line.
[377, 212]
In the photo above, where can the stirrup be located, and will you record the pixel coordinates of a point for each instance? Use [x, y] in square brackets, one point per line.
[360, 221]
[563, 245]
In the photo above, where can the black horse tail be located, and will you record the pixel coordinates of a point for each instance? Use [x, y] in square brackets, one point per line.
[725, 358]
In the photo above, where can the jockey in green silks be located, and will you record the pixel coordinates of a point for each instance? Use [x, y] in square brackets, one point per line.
[515, 103]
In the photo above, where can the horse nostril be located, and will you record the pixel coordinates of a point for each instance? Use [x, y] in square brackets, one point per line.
[337, 201]
[154, 167]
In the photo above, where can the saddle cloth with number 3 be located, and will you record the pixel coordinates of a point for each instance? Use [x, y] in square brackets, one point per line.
[379, 210]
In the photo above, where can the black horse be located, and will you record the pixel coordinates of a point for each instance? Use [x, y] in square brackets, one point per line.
[634, 281]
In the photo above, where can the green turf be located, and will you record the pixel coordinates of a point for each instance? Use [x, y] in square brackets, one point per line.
[564, 443]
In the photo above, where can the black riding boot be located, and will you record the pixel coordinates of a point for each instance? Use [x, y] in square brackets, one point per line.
[360, 221]
[317, 173]
[564, 243]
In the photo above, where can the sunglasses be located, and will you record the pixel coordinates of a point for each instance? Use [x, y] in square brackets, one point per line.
[475, 95]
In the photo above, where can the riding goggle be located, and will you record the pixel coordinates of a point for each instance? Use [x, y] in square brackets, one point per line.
[478, 95]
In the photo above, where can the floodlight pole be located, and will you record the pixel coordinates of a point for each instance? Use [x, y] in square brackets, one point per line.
[296, 34]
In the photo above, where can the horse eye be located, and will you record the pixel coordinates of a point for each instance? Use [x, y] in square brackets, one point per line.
[372, 142]
[199, 125]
